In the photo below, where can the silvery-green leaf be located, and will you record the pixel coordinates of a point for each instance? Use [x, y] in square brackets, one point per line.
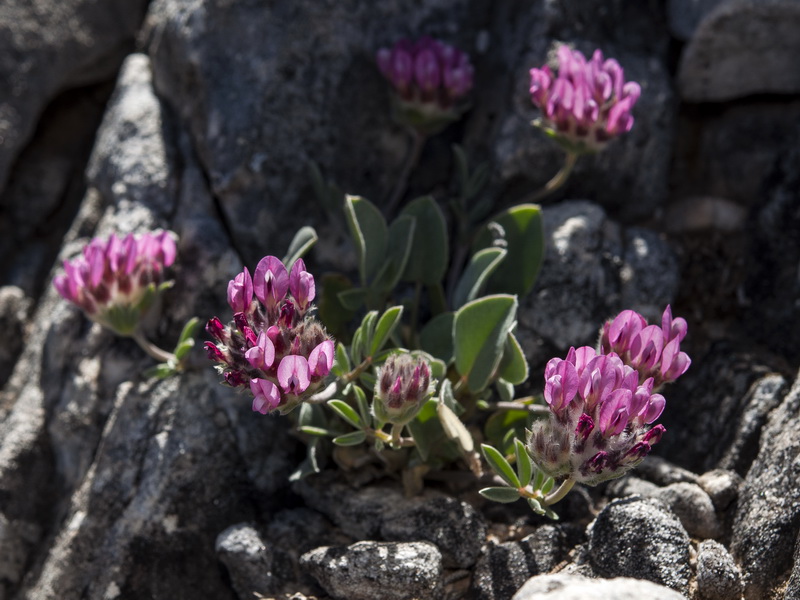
[500, 494]
[500, 465]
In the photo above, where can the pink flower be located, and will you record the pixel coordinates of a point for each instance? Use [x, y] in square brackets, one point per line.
[301, 284]
[262, 354]
[587, 104]
[294, 375]
[240, 292]
[320, 360]
[271, 281]
[266, 396]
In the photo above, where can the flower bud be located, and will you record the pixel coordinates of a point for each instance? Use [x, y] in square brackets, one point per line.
[402, 387]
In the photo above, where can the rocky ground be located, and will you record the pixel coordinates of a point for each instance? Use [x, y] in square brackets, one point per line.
[200, 116]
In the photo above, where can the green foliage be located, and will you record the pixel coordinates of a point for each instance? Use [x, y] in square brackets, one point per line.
[429, 256]
[302, 242]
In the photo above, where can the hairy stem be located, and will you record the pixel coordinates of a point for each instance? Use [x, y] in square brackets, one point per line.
[557, 181]
[559, 492]
[417, 142]
[153, 350]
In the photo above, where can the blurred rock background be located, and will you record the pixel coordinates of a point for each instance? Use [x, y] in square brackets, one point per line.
[201, 115]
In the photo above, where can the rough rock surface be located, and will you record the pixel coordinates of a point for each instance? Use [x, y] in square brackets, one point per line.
[366, 570]
[642, 539]
[718, 577]
[505, 567]
[717, 66]
[248, 560]
[767, 521]
[577, 587]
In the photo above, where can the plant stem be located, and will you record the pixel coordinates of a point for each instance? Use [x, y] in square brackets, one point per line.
[515, 405]
[414, 334]
[396, 431]
[559, 493]
[557, 181]
[417, 142]
[153, 350]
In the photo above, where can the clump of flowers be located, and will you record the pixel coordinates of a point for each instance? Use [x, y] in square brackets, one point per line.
[273, 346]
[587, 103]
[600, 418]
[430, 80]
[652, 350]
[115, 280]
[403, 385]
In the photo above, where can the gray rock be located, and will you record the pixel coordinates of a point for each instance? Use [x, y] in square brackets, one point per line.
[631, 486]
[586, 275]
[642, 539]
[457, 529]
[577, 587]
[717, 66]
[662, 472]
[685, 15]
[694, 509]
[722, 486]
[718, 577]
[767, 519]
[793, 586]
[368, 570]
[505, 567]
[248, 560]
[14, 309]
[48, 47]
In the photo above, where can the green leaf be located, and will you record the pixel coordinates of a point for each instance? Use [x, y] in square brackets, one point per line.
[550, 514]
[331, 311]
[538, 479]
[513, 366]
[548, 485]
[341, 362]
[358, 345]
[316, 431]
[427, 262]
[346, 411]
[383, 330]
[500, 465]
[367, 330]
[182, 349]
[454, 428]
[482, 264]
[401, 237]
[189, 330]
[505, 390]
[352, 299]
[480, 329]
[350, 439]
[425, 428]
[524, 234]
[302, 242]
[436, 338]
[161, 371]
[363, 406]
[369, 231]
[500, 494]
[524, 464]
[535, 505]
[311, 463]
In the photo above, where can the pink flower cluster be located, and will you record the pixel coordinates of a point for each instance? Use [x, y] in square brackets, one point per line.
[655, 352]
[428, 74]
[402, 387]
[588, 103]
[273, 346]
[602, 405]
[114, 279]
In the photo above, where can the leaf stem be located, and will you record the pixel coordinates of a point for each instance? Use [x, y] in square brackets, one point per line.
[556, 182]
[412, 158]
[559, 492]
[152, 350]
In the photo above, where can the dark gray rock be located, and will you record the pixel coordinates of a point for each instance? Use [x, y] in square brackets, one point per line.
[718, 577]
[457, 529]
[649, 273]
[577, 587]
[716, 66]
[248, 560]
[662, 472]
[15, 307]
[767, 520]
[48, 47]
[642, 539]
[686, 15]
[711, 410]
[722, 486]
[793, 586]
[693, 507]
[368, 570]
[630, 486]
[505, 567]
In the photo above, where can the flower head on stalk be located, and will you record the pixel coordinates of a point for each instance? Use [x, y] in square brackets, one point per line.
[587, 103]
[601, 418]
[654, 351]
[273, 346]
[430, 80]
[116, 280]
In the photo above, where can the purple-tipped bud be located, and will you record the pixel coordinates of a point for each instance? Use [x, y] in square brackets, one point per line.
[240, 292]
[215, 329]
[598, 462]
[403, 385]
[214, 353]
[638, 451]
[235, 378]
[584, 428]
[654, 436]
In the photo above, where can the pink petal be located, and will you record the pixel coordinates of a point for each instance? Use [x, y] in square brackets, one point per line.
[294, 374]
[320, 360]
[271, 281]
